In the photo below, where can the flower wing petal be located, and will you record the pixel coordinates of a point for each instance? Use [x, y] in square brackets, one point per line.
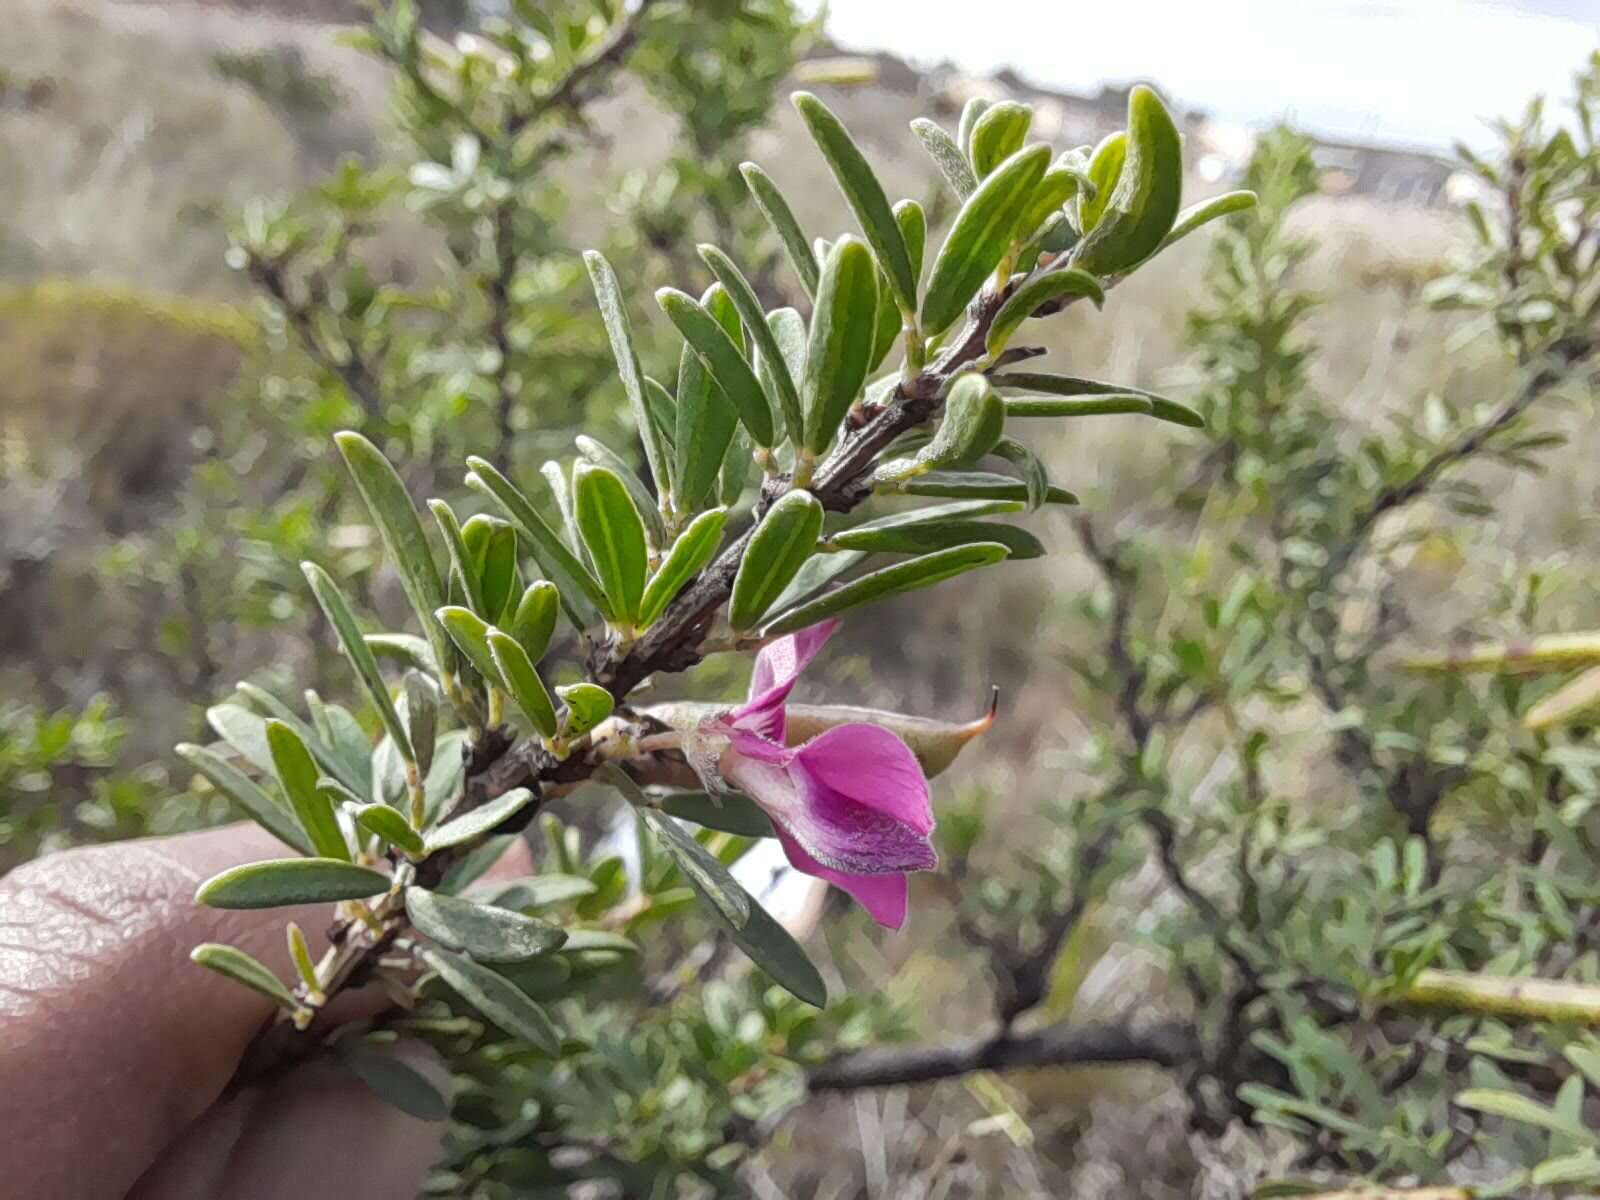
[885, 897]
[871, 766]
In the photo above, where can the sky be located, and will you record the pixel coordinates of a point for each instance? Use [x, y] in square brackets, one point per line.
[1415, 72]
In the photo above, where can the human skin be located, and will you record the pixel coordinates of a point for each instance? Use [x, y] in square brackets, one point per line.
[116, 1050]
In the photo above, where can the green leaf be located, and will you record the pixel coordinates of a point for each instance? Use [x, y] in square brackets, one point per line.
[974, 423]
[615, 315]
[913, 224]
[559, 563]
[1036, 291]
[1144, 205]
[389, 825]
[774, 363]
[353, 775]
[542, 891]
[983, 231]
[840, 343]
[422, 716]
[460, 557]
[396, 519]
[298, 774]
[706, 424]
[583, 941]
[735, 470]
[1072, 385]
[1206, 211]
[559, 482]
[1105, 168]
[947, 156]
[936, 513]
[337, 610]
[449, 766]
[404, 648]
[341, 745]
[971, 112]
[587, 705]
[708, 876]
[257, 803]
[487, 933]
[782, 219]
[480, 821]
[1587, 1060]
[241, 968]
[1582, 1167]
[534, 622]
[1514, 1107]
[998, 134]
[393, 1081]
[863, 193]
[244, 731]
[921, 572]
[721, 358]
[1062, 406]
[727, 812]
[281, 882]
[614, 535]
[472, 866]
[923, 538]
[471, 633]
[523, 682]
[1034, 475]
[494, 550]
[603, 456]
[497, 998]
[664, 413]
[977, 485]
[770, 946]
[786, 537]
[693, 549]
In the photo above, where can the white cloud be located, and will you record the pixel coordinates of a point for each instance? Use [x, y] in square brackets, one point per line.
[1410, 71]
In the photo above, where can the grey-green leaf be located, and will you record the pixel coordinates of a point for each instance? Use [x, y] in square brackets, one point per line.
[391, 826]
[839, 348]
[978, 485]
[722, 359]
[703, 871]
[541, 891]
[238, 966]
[947, 156]
[587, 705]
[298, 774]
[984, 229]
[1071, 385]
[497, 998]
[926, 537]
[863, 193]
[478, 822]
[602, 455]
[422, 716]
[613, 532]
[782, 219]
[775, 367]
[1034, 475]
[1143, 207]
[534, 623]
[615, 315]
[487, 933]
[523, 682]
[1205, 211]
[337, 610]
[786, 537]
[730, 812]
[1036, 291]
[470, 632]
[706, 424]
[257, 803]
[923, 571]
[692, 550]
[998, 134]
[394, 1081]
[277, 883]
[460, 557]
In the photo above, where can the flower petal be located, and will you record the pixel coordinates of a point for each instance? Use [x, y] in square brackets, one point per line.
[885, 897]
[778, 667]
[873, 767]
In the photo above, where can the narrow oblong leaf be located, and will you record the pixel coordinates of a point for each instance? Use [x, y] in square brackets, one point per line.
[587, 705]
[257, 803]
[1144, 204]
[602, 455]
[495, 553]
[998, 134]
[1105, 168]
[705, 874]
[745, 302]
[244, 731]
[839, 347]
[707, 421]
[786, 537]
[422, 716]
[1519, 1108]
[978, 485]
[1071, 385]
[1034, 475]
[722, 359]
[913, 222]
[614, 534]
[298, 774]
[485, 932]
[386, 498]
[390, 825]
[983, 231]
[1547, 652]
[1065, 406]
[238, 966]
[971, 112]
[782, 219]
[863, 193]
[470, 632]
[1577, 699]
[523, 682]
[497, 998]
[664, 413]
[692, 550]
[558, 562]
[460, 557]
[472, 866]
[1035, 292]
[347, 764]
[404, 648]
[534, 622]
[921, 572]
[478, 822]
[337, 610]
[542, 891]
[278, 883]
[615, 315]
[560, 484]
[394, 1081]
[956, 510]
[947, 156]
[974, 422]
[1206, 211]
[939, 535]
[730, 812]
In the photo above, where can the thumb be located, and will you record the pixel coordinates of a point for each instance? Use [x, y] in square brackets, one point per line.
[318, 1131]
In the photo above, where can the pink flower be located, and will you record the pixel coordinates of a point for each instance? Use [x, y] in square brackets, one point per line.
[850, 806]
